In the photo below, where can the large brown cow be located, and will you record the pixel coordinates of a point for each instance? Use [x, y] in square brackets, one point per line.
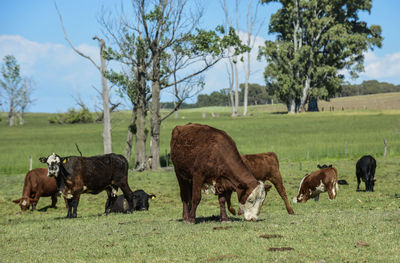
[77, 175]
[37, 184]
[204, 155]
[265, 166]
[320, 181]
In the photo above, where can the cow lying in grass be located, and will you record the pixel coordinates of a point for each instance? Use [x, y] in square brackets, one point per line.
[36, 185]
[77, 175]
[320, 181]
[120, 205]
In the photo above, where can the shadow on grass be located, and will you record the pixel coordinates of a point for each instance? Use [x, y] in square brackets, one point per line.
[216, 219]
[44, 209]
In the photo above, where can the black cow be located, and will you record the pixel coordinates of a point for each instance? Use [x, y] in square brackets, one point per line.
[120, 205]
[76, 175]
[365, 170]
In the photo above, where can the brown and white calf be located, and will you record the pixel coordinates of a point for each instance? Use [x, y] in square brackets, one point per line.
[320, 181]
[37, 184]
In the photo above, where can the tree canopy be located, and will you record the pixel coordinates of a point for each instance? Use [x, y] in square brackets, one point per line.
[315, 41]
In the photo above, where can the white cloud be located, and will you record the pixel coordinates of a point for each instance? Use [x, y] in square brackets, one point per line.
[56, 69]
[381, 67]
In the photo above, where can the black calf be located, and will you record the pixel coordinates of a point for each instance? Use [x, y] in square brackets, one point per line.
[120, 205]
[365, 171]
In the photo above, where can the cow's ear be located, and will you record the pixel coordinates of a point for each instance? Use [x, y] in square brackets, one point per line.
[17, 201]
[267, 187]
[43, 159]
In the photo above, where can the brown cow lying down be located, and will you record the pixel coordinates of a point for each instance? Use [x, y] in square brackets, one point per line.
[204, 155]
[37, 184]
[77, 175]
[320, 181]
[265, 166]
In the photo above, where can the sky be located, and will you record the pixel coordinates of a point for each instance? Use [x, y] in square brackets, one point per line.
[31, 31]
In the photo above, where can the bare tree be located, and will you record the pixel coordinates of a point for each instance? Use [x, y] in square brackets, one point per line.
[234, 58]
[25, 99]
[105, 90]
[251, 22]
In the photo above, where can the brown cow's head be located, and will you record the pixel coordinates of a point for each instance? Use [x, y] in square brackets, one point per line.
[24, 203]
[53, 162]
[252, 207]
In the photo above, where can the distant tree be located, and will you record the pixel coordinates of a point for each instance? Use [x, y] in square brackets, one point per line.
[315, 39]
[17, 91]
[257, 94]
[367, 87]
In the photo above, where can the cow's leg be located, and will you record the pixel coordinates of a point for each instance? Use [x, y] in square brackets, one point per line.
[196, 197]
[75, 202]
[306, 196]
[110, 200]
[228, 195]
[358, 182]
[35, 200]
[332, 191]
[70, 205]
[223, 216]
[186, 197]
[316, 198]
[276, 180]
[54, 200]
[128, 194]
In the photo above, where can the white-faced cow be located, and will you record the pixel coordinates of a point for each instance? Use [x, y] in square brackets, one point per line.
[264, 166]
[204, 155]
[37, 184]
[365, 171]
[77, 175]
[320, 181]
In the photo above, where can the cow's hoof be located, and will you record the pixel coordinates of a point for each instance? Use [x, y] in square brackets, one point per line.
[189, 221]
[225, 221]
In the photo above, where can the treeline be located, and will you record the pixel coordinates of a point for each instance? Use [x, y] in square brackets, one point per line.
[367, 87]
[258, 94]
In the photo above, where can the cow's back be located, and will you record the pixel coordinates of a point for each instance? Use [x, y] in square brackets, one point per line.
[96, 172]
[201, 149]
[261, 165]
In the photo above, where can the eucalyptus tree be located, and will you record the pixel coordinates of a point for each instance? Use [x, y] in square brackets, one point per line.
[316, 41]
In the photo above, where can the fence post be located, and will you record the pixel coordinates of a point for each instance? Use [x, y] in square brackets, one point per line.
[385, 150]
[30, 162]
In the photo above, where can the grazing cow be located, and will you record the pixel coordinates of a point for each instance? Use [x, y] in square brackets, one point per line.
[140, 202]
[320, 181]
[365, 171]
[265, 166]
[204, 155]
[37, 184]
[77, 175]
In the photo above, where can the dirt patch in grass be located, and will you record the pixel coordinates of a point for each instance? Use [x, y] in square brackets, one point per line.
[361, 244]
[280, 249]
[221, 227]
[267, 236]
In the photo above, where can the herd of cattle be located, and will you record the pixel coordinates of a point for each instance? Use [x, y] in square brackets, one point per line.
[203, 158]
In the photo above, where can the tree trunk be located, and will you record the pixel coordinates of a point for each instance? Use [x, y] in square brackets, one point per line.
[128, 148]
[304, 95]
[236, 111]
[20, 118]
[155, 112]
[140, 149]
[105, 96]
[291, 105]
[246, 86]
[11, 115]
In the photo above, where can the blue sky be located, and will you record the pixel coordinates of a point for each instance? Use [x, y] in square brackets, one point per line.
[31, 31]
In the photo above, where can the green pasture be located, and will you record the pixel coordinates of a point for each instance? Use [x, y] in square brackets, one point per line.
[355, 227]
[320, 137]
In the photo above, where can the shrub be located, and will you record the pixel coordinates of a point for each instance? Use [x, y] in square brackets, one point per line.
[73, 116]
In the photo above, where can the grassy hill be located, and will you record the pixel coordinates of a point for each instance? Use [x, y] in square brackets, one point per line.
[355, 227]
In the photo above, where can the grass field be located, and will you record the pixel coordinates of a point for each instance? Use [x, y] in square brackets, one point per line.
[355, 227]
